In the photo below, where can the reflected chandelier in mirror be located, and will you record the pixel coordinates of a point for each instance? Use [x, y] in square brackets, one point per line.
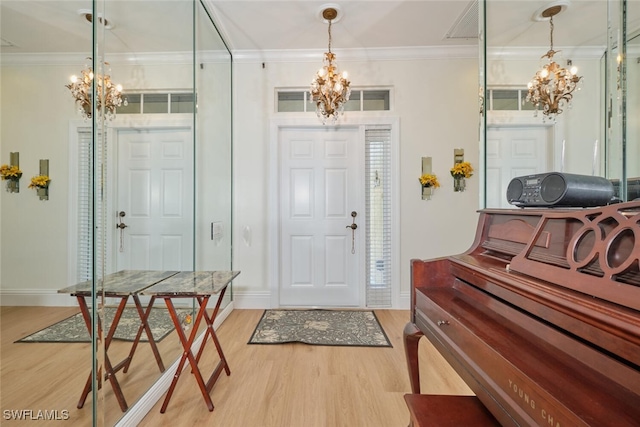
[109, 94]
[552, 87]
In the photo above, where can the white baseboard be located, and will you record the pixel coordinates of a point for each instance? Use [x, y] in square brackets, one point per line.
[143, 406]
[251, 300]
[35, 297]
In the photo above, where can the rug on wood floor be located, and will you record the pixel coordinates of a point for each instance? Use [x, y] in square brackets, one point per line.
[73, 329]
[320, 327]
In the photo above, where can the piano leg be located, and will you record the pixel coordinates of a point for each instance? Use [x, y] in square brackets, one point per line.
[412, 337]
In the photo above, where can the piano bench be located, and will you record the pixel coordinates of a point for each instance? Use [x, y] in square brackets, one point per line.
[448, 411]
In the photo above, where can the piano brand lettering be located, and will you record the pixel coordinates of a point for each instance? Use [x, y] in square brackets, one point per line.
[530, 402]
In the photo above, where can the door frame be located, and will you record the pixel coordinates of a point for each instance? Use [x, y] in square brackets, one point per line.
[273, 234]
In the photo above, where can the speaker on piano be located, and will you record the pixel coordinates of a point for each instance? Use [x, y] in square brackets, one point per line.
[557, 189]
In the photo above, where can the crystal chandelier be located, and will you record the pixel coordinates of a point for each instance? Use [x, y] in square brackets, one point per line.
[552, 87]
[330, 90]
[109, 94]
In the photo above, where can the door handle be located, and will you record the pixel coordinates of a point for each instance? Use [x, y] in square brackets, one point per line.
[121, 226]
[353, 227]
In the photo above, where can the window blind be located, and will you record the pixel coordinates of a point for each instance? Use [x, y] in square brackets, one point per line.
[378, 206]
[85, 212]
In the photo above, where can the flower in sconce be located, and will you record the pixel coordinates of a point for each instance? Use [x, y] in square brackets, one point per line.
[429, 180]
[40, 181]
[462, 170]
[10, 172]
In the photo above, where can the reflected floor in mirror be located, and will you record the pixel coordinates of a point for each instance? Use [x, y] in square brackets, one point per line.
[51, 376]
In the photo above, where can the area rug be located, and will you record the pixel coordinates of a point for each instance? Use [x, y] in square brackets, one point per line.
[73, 329]
[320, 327]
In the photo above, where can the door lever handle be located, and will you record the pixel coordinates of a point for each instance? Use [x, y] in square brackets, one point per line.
[353, 227]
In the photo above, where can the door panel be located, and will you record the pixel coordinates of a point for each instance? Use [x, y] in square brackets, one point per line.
[321, 183]
[155, 192]
[511, 152]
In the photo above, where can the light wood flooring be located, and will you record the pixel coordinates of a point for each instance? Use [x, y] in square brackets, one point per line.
[287, 385]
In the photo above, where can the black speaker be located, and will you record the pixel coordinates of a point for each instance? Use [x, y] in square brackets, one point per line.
[559, 189]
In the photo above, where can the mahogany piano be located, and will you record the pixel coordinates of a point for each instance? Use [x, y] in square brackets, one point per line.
[540, 317]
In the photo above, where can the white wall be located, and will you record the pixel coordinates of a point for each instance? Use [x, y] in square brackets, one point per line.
[35, 122]
[436, 102]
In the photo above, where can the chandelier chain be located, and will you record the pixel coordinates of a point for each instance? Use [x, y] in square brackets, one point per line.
[551, 33]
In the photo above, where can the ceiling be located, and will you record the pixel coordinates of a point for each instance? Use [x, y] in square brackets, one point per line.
[46, 26]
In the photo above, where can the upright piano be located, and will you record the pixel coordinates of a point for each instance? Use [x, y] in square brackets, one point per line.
[540, 317]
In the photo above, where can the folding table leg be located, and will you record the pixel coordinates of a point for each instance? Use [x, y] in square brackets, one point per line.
[144, 326]
[187, 354]
[109, 371]
[211, 332]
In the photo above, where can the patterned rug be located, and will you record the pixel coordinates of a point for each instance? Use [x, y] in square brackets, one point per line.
[320, 327]
[73, 329]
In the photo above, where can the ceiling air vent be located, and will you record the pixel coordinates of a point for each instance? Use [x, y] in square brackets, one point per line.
[466, 26]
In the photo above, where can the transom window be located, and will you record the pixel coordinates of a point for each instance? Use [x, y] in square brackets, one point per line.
[157, 103]
[508, 99]
[297, 101]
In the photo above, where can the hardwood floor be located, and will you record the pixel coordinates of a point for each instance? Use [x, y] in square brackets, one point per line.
[270, 385]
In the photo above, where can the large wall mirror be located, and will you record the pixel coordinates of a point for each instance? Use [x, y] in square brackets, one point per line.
[160, 166]
[597, 133]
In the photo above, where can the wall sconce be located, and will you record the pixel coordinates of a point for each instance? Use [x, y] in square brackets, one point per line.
[460, 171]
[42, 181]
[12, 173]
[428, 180]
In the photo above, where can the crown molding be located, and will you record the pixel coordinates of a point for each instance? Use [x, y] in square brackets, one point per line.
[372, 54]
[303, 55]
[529, 52]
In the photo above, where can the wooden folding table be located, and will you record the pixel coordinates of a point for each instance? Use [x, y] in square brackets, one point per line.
[200, 285]
[122, 285]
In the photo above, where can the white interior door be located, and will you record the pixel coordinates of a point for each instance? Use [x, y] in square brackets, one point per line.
[511, 152]
[321, 184]
[155, 192]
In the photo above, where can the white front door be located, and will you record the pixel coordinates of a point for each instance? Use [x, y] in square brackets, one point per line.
[511, 152]
[154, 199]
[321, 184]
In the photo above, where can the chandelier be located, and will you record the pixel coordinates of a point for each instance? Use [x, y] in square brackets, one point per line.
[330, 90]
[552, 87]
[109, 94]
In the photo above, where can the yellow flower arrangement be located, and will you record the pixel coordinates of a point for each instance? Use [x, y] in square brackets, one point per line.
[10, 172]
[40, 181]
[429, 180]
[462, 170]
